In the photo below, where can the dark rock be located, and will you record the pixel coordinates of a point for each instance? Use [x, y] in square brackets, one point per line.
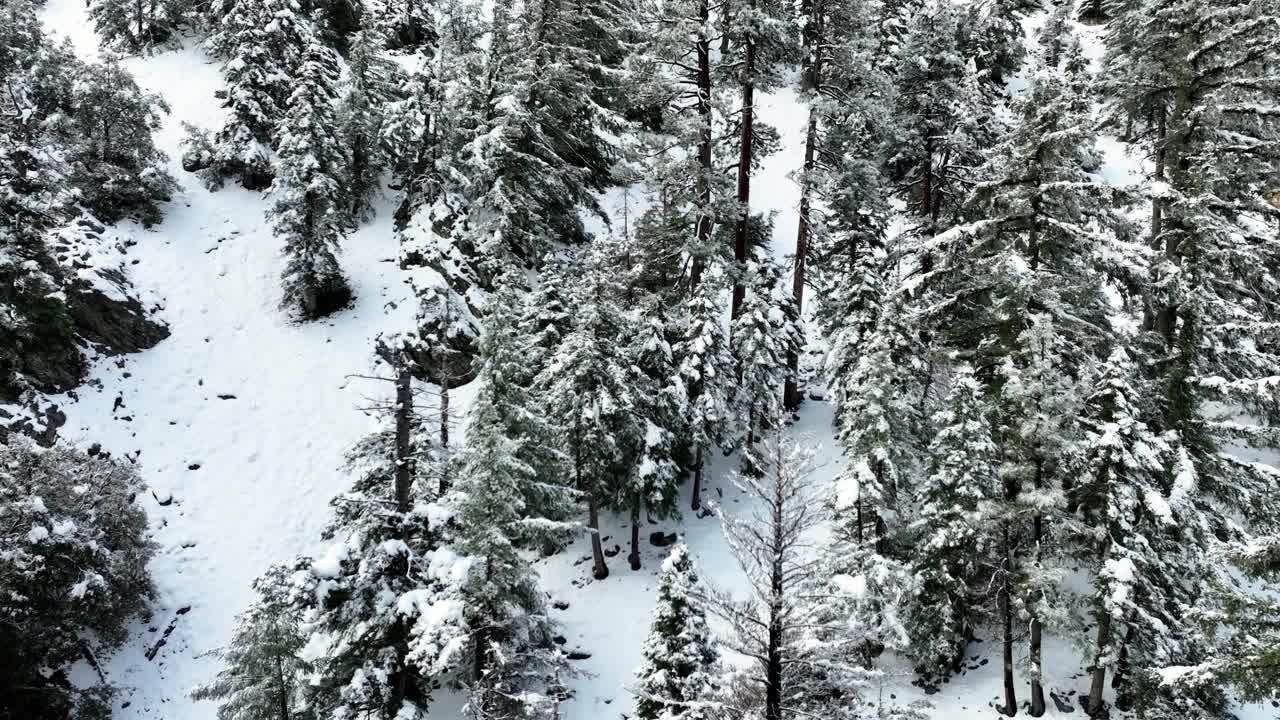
[559, 640]
[1062, 702]
[613, 551]
[115, 325]
[166, 502]
[94, 449]
[560, 605]
[227, 396]
[661, 539]
[578, 655]
[193, 466]
[984, 661]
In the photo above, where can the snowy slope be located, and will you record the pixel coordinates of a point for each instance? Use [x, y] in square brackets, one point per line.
[239, 421]
[239, 418]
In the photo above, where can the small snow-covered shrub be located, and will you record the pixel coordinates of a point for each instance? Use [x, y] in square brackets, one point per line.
[73, 556]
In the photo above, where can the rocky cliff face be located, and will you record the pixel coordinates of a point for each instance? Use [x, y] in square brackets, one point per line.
[89, 307]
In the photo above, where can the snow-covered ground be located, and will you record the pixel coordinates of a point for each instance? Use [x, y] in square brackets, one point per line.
[239, 420]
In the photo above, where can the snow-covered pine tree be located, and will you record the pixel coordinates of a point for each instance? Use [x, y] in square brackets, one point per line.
[1196, 68]
[995, 37]
[373, 82]
[1048, 234]
[944, 120]
[653, 487]
[1033, 269]
[507, 477]
[406, 24]
[763, 41]
[691, 190]
[1145, 537]
[136, 25]
[949, 539]
[842, 201]
[706, 369]
[678, 675]
[262, 45]
[527, 148]
[878, 380]
[264, 677]
[1194, 83]
[112, 160]
[589, 392]
[1242, 625]
[1038, 406]
[771, 544]
[865, 606]
[385, 616]
[765, 333]
[73, 574]
[508, 406]
[306, 214]
[546, 315]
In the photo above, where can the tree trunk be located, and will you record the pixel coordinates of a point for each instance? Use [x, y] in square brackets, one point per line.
[1099, 671]
[742, 230]
[858, 510]
[773, 659]
[1165, 319]
[814, 38]
[284, 689]
[927, 204]
[1006, 617]
[593, 524]
[634, 557]
[404, 437]
[1037, 688]
[696, 502]
[444, 432]
[1120, 677]
[703, 185]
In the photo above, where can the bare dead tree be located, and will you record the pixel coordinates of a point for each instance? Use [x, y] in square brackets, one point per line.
[773, 544]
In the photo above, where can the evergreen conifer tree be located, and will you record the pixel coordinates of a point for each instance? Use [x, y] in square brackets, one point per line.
[386, 611]
[653, 490]
[373, 83]
[706, 369]
[503, 484]
[764, 335]
[113, 160]
[944, 121]
[1142, 535]
[589, 393]
[262, 45]
[138, 24]
[678, 674]
[264, 678]
[306, 214]
[950, 541]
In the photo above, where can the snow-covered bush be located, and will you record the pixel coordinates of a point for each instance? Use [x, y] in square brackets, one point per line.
[73, 557]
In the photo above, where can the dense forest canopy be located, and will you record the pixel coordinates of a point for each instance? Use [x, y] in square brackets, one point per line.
[1054, 392]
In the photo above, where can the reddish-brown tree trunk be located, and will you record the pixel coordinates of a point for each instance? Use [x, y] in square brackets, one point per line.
[703, 185]
[1098, 681]
[814, 37]
[742, 230]
[597, 552]
[634, 557]
[695, 502]
[1006, 612]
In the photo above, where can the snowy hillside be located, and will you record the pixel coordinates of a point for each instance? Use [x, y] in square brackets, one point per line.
[239, 421]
